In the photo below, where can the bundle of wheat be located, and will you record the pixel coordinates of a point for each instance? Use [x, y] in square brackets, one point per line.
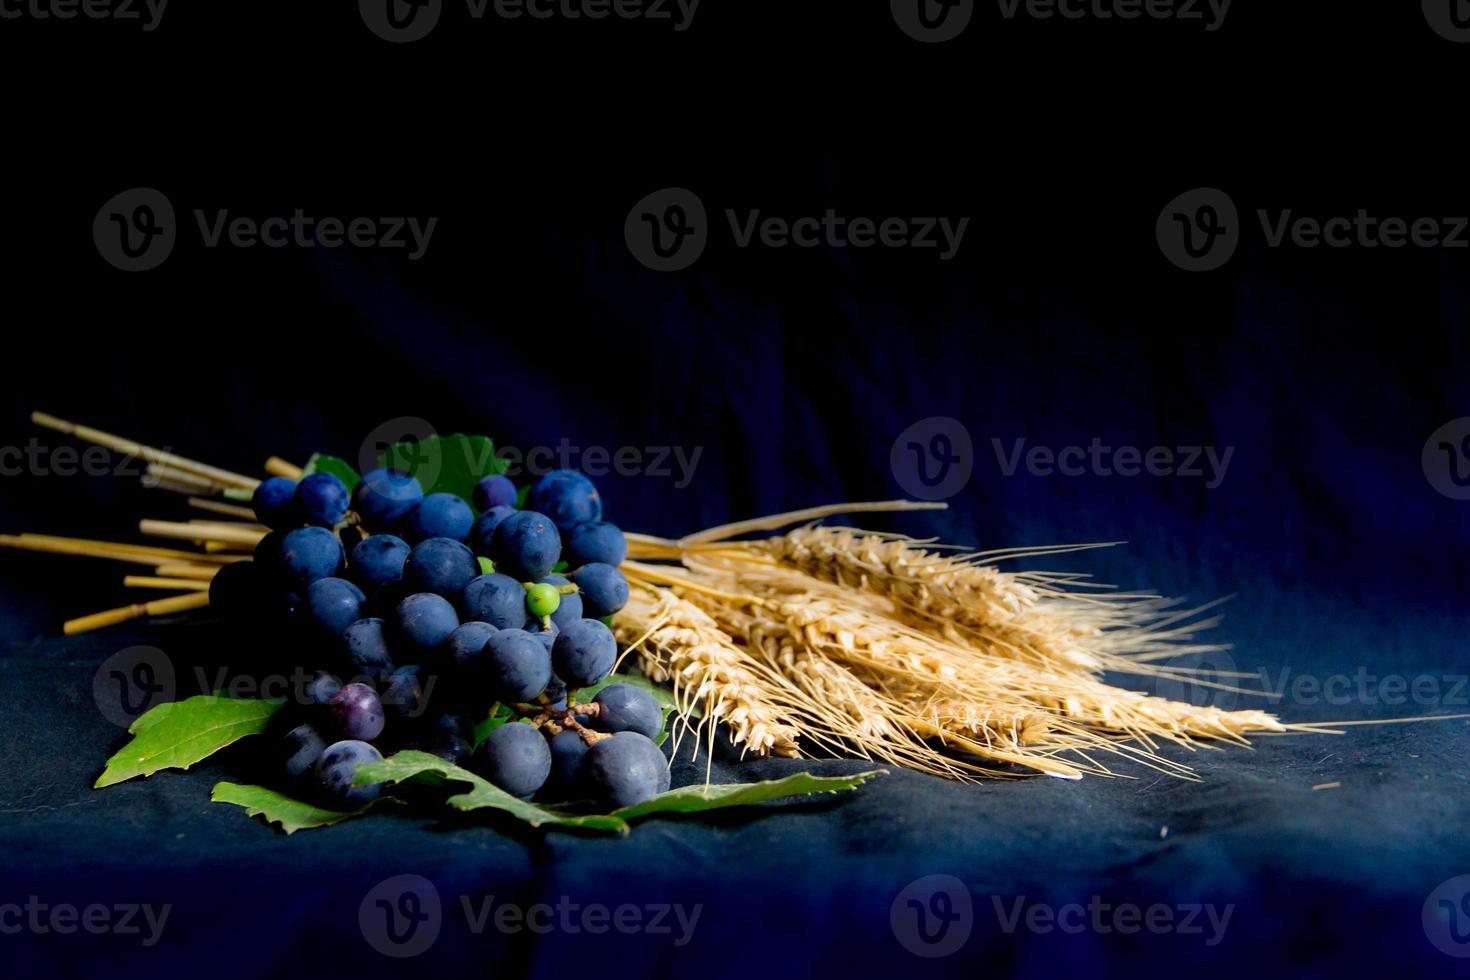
[930, 657]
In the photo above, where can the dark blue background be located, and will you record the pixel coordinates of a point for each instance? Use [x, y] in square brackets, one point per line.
[793, 372]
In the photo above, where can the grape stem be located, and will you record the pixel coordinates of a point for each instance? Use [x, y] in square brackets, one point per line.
[555, 720]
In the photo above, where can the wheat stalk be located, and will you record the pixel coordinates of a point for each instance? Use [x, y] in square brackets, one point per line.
[678, 644]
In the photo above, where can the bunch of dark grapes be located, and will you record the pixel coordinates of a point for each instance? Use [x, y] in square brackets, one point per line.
[420, 614]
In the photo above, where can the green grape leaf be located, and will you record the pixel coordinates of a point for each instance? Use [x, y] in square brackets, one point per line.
[277, 808]
[487, 567]
[481, 794]
[697, 798]
[498, 716]
[521, 495]
[410, 765]
[447, 464]
[340, 468]
[178, 734]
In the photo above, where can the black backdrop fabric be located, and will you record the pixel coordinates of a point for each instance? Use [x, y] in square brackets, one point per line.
[1324, 372]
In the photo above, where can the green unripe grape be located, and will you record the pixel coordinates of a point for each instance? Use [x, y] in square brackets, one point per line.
[542, 599]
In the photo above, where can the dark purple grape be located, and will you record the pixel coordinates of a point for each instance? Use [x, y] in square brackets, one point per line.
[274, 502]
[584, 653]
[517, 667]
[321, 499]
[378, 561]
[603, 588]
[366, 642]
[403, 694]
[625, 708]
[596, 541]
[466, 644]
[333, 604]
[384, 497]
[515, 758]
[626, 769]
[566, 497]
[495, 599]
[442, 566]
[568, 755]
[439, 515]
[309, 554]
[494, 491]
[357, 712]
[482, 532]
[321, 689]
[424, 623]
[303, 746]
[337, 769]
[525, 546]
